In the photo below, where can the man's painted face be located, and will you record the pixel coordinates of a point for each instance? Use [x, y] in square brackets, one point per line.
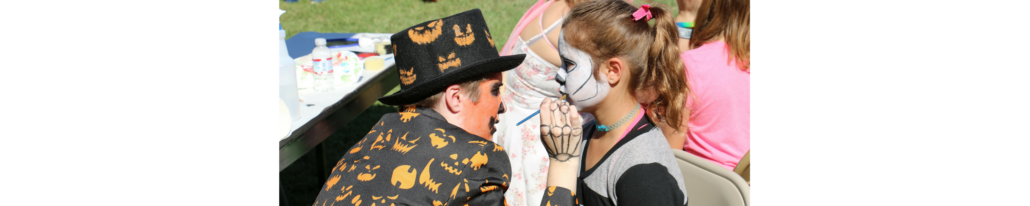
[577, 76]
[482, 116]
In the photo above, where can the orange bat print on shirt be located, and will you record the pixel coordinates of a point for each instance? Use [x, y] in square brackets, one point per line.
[424, 35]
[478, 160]
[407, 114]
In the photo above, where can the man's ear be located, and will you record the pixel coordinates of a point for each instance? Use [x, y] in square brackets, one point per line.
[614, 69]
[452, 98]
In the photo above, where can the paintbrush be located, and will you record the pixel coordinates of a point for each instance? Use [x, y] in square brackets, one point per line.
[536, 113]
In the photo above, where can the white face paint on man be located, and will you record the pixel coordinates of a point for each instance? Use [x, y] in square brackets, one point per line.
[577, 76]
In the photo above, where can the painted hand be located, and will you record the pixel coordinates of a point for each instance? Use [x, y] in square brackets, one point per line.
[561, 129]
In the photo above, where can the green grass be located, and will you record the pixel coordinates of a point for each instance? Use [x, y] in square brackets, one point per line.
[392, 16]
[301, 179]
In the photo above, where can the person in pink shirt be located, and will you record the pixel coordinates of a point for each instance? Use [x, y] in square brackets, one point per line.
[719, 73]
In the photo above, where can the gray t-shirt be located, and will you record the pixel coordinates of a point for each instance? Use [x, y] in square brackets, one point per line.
[639, 170]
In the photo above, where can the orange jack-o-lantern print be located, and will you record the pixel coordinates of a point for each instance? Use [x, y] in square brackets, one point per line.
[489, 38]
[464, 38]
[454, 192]
[453, 170]
[365, 177]
[440, 141]
[451, 61]
[402, 147]
[356, 200]
[488, 188]
[480, 143]
[345, 191]
[332, 181]
[407, 77]
[382, 200]
[404, 177]
[426, 34]
[426, 179]
[380, 143]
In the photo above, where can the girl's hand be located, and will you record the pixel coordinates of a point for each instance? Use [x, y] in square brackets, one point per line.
[561, 129]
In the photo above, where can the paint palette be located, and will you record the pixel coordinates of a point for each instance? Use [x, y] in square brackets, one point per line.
[347, 68]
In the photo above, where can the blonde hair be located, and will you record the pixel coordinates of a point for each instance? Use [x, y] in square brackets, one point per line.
[606, 29]
[730, 19]
[470, 88]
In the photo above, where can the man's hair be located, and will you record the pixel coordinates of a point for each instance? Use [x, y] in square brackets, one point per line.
[470, 88]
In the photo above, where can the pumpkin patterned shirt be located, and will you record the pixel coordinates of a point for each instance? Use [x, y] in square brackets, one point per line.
[415, 157]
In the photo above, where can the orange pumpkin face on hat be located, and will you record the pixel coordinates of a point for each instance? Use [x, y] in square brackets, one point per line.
[437, 53]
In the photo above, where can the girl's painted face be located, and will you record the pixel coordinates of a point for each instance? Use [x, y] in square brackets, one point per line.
[577, 76]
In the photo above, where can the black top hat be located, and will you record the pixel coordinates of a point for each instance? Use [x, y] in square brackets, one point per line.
[434, 54]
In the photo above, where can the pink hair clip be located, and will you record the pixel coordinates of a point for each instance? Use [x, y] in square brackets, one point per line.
[645, 10]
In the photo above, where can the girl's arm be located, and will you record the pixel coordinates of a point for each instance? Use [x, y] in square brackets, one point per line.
[561, 131]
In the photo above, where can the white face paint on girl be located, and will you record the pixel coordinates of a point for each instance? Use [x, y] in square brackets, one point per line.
[576, 76]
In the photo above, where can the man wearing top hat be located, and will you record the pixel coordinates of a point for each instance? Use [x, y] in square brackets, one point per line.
[437, 149]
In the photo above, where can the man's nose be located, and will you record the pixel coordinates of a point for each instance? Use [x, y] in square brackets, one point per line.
[501, 110]
[558, 77]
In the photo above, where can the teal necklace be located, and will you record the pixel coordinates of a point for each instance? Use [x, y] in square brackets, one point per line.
[606, 128]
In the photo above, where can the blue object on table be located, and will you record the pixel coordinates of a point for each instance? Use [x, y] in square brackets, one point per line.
[342, 46]
[302, 43]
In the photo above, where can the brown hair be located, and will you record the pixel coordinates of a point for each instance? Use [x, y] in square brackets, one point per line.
[573, 3]
[470, 88]
[606, 29]
[730, 19]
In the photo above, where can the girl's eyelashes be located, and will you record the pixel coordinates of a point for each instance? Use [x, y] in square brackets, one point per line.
[567, 63]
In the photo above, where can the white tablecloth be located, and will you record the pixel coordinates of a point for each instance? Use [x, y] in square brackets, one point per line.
[321, 100]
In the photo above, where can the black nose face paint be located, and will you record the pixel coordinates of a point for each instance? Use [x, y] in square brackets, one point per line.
[500, 109]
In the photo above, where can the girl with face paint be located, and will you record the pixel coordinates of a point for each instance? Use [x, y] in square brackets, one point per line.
[629, 76]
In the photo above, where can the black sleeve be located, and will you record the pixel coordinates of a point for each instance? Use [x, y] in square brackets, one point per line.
[559, 196]
[648, 184]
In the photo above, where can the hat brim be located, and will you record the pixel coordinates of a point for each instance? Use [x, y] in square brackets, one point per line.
[420, 91]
